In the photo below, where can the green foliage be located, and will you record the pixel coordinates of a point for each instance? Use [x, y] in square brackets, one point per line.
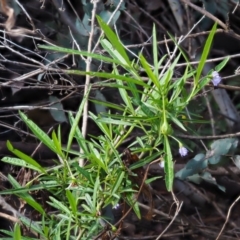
[150, 107]
[17, 232]
[205, 53]
[78, 194]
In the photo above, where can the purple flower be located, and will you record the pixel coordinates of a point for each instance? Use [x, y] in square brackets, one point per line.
[183, 151]
[216, 79]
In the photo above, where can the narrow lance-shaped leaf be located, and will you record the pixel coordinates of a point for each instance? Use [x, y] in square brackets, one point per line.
[112, 37]
[168, 164]
[26, 196]
[17, 232]
[25, 158]
[76, 52]
[149, 72]
[155, 51]
[41, 135]
[76, 120]
[107, 76]
[72, 201]
[205, 53]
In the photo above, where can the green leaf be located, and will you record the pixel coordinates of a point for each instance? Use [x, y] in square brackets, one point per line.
[222, 64]
[76, 120]
[164, 82]
[48, 185]
[205, 53]
[177, 122]
[78, 135]
[72, 202]
[178, 88]
[89, 202]
[57, 144]
[76, 52]
[125, 97]
[17, 232]
[112, 37]
[96, 190]
[168, 164]
[26, 161]
[41, 135]
[155, 52]
[149, 72]
[132, 202]
[113, 52]
[118, 182]
[97, 159]
[152, 179]
[134, 90]
[113, 121]
[103, 126]
[106, 75]
[109, 104]
[21, 163]
[86, 208]
[25, 196]
[59, 205]
[33, 226]
[82, 171]
[145, 161]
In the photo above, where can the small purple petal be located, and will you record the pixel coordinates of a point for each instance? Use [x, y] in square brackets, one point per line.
[183, 151]
[216, 78]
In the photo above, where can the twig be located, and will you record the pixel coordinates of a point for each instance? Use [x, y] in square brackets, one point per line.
[179, 206]
[137, 24]
[210, 137]
[171, 40]
[88, 65]
[228, 215]
[235, 8]
[9, 217]
[16, 214]
[208, 14]
[151, 17]
[88, 78]
[26, 13]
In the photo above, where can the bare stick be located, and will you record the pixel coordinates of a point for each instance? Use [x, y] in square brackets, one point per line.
[204, 12]
[88, 78]
[228, 215]
[237, 134]
[179, 206]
